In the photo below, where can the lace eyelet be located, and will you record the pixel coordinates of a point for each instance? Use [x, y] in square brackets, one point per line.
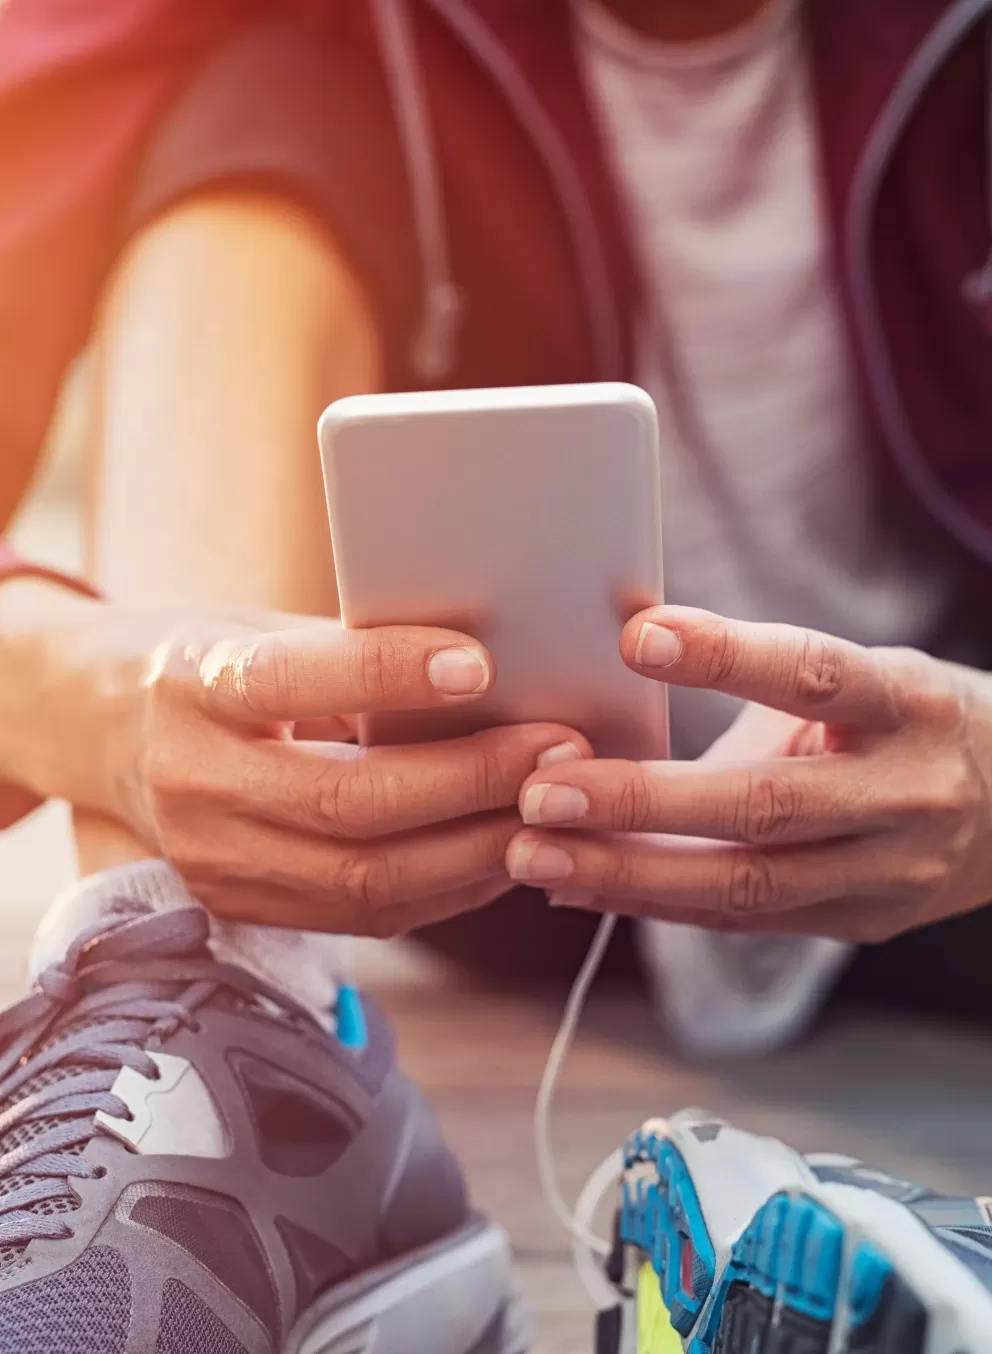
[99, 1172]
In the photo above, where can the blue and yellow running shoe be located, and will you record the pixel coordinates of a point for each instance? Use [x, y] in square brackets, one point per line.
[728, 1243]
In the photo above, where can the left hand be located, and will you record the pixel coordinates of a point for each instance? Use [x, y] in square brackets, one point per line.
[852, 799]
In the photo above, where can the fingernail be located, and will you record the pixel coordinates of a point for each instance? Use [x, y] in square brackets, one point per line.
[538, 863]
[657, 647]
[554, 804]
[580, 898]
[458, 672]
[561, 752]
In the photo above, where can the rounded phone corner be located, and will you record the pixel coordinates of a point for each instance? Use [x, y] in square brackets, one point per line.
[642, 407]
[337, 413]
[636, 397]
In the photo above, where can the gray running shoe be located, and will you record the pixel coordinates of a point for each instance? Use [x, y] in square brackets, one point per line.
[190, 1165]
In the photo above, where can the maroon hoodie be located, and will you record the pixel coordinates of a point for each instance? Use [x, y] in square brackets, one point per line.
[472, 192]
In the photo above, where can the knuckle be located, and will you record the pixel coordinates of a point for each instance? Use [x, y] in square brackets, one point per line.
[631, 806]
[819, 675]
[724, 655]
[900, 659]
[280, 688]
[937, 706]
[751, 884]
[920, 687]
[174, 666]
[489, 775]
[952, 790]
[927, 874]
[365, 877]
[948, 795]
[768, 808]
[323, 798]
[379, 662]
[354, 799]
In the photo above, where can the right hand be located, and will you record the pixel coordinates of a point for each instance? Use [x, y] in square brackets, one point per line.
[201, 765]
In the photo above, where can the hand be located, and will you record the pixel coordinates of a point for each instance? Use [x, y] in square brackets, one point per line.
[857, 805]
[183, 731]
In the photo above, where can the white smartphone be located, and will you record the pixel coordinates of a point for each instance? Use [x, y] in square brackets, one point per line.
[528, 518]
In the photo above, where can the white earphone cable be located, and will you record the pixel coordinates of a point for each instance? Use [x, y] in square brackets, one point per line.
[578, 1223]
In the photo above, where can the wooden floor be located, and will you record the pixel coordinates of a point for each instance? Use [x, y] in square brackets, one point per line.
[916, 1099]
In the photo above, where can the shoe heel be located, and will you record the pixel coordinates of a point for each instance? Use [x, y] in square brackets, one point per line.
[459, 1297]
[660, 1215]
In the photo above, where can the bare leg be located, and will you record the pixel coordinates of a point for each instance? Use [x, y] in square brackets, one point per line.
[228, 327]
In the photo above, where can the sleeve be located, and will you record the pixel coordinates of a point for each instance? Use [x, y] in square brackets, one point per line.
[13, 565]
[303, 113]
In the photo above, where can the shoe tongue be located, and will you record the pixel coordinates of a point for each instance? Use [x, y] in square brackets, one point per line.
[122, 894]
[301, 964]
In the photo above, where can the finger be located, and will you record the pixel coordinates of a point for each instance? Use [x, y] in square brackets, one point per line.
[341, 790]
[801, 672]
[303, 674]
[653, 873]
[309, 910]
[770, 802]
[367, 881]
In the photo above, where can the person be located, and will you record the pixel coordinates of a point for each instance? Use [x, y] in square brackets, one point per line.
[773, 217]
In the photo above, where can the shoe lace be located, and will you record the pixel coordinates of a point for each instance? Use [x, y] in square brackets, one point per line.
[61, 1049]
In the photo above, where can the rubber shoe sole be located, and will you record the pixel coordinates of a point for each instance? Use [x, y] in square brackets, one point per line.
[818, 1269]
[458, 1297]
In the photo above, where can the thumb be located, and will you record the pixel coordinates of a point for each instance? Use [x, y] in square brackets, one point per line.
[323, 670]
[800, 672]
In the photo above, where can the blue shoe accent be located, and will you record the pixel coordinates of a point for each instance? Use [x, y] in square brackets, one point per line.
[352, 1030]
[663, 1218]
[792, 1250]
[869, 1274]
[791, 1253]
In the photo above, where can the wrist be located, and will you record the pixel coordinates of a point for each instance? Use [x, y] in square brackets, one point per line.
[61, 688]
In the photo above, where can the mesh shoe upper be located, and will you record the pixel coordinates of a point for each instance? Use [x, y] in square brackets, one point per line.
[962, 1224]
[186, 1159]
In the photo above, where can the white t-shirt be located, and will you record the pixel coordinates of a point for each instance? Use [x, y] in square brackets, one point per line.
[770, 509]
